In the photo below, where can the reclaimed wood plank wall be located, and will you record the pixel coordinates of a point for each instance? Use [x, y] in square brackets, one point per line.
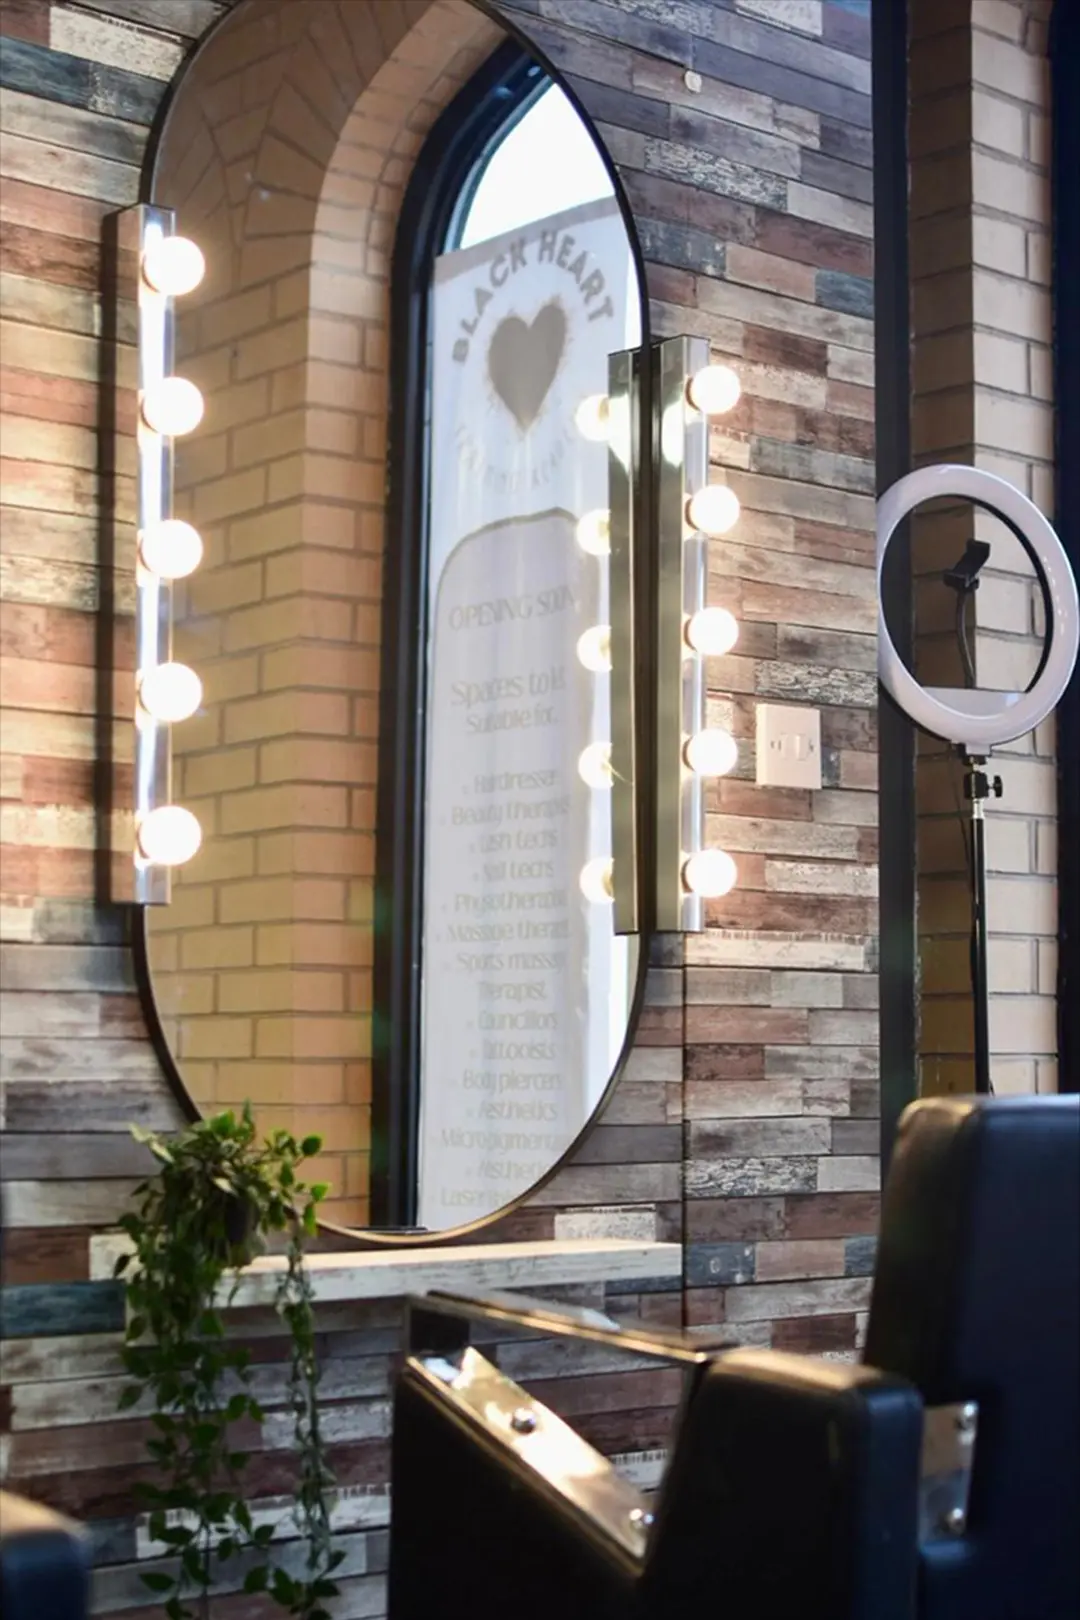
[747, 1117]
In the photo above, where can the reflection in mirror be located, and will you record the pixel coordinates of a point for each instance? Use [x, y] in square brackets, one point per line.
[262, 965]
[526, 987]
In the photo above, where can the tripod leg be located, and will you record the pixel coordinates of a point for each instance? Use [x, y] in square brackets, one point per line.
[980, 993]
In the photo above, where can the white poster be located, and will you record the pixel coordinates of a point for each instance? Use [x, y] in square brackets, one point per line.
[519, 1009]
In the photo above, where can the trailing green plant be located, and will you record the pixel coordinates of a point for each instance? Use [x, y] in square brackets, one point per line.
[219, 1194]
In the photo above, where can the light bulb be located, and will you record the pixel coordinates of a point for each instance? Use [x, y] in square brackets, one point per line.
[714, 390]
[173, 265]
[712, 753]
[712, 632]
[594, 533]
[710, 874]
[170, 692]
[595, 881]
[172, 406]
[594, 648]
[713, 510]
[169, 836]
[594, 765]
[592, 417]
[171, 549]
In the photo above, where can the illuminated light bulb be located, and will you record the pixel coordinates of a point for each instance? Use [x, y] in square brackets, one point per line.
[594, 765]
[594, 648]
[712, 753]
[712, 632]
[596, 881]
[593, 417]
[172, 406]
[714, 390]
[713, 510]
[173, 265]
[594, 533]
[710, 874]
[171, 692]
[169, 836]
[171, 549]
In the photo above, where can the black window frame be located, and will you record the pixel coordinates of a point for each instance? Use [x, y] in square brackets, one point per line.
[448, 171]
[1064, 51]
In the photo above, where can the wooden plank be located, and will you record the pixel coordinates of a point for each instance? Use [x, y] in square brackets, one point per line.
[104, 968]
[187, 18]
[66, 1203]
[631, 1144]
[33, 1014]
[43, 1255]
[51, 399]
[813, 1297]
[67, 922]
[785, 83]
[24, 19]
[60, 1156]
[90, 1105]
[117, 44]
[54, 213]
[73, 127]
[33, 68]
[67, 1058]
[62, 688]
[65, 170]
[40, 1310]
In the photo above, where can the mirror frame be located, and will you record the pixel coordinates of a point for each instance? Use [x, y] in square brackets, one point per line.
[437, 188]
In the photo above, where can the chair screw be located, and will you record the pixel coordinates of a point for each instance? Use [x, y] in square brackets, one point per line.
[955, 1521]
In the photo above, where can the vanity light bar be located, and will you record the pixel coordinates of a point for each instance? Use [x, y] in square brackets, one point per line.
[153, 266]
[687, 390]
[623, 421]
[682, 571]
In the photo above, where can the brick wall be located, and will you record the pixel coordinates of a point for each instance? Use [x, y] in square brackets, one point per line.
[981, 359]
[750, 185]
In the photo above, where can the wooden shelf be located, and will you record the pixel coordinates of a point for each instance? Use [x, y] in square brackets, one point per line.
[382, 1274]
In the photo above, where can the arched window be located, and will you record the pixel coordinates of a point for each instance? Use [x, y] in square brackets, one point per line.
[513, 280]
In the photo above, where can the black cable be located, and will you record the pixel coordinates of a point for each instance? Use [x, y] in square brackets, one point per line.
[962, 638]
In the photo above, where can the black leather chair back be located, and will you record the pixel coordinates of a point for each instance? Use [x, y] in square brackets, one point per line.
[977, 1298]
[796, 1488]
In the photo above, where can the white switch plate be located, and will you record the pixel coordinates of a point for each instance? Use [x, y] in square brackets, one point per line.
[788, 746]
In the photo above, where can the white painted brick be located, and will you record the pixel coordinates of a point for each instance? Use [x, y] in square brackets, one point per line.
[997, 123]
[1013, 1077]
[1010, 967]
[1009, 841]
[1001, 65]
[1048, 966]
[1047, 1076]
[1030, 786]
[1019, 905]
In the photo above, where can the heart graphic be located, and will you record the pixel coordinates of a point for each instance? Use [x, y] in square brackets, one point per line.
[523, 360]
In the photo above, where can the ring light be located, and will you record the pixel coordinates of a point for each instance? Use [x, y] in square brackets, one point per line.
[993, 717]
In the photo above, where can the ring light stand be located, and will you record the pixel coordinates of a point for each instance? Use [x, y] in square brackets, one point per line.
[977, 721]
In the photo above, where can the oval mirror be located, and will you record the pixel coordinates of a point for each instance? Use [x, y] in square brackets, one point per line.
[396, 932]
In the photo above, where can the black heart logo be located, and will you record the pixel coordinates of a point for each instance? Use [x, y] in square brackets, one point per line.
[523, 360]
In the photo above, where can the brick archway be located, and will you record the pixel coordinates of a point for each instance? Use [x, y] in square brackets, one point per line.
[295, 201]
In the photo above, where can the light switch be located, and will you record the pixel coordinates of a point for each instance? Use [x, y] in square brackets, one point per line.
[788, 746]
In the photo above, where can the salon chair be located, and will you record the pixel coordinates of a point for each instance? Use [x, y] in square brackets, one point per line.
[44, 1563]
[940, 1480]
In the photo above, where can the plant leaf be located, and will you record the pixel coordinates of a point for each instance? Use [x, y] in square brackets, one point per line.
[158, 1581]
